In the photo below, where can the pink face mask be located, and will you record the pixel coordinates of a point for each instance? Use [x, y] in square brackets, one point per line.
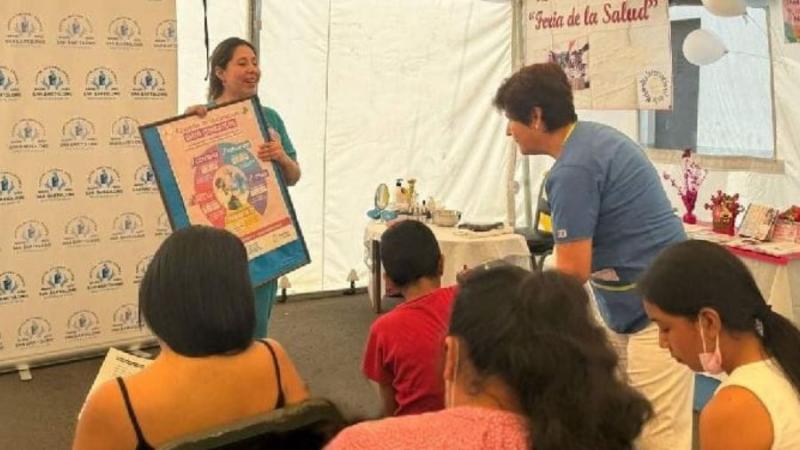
[710, 361]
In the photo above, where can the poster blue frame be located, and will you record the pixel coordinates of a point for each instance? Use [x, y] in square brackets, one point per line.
[263, 268]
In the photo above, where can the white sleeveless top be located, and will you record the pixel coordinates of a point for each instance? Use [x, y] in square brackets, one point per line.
[766, 380]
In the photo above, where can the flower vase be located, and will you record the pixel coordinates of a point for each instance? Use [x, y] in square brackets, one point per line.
[689, 200]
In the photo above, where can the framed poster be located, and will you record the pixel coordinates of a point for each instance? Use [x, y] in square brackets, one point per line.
[208, 174]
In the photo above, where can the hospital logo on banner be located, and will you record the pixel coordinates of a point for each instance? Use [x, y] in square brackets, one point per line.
[141, 268]
[128, 226]
[166, 35]
[52, 83]
[148, 83]
[144, 181]
[24, 30]
[31, 236]
[34, 332]
[9, 84]
[101, 83]
[163, 227]
[126, 318]
[12, 288]
[57, 281]
[124, 33]
[75, 31]
[55, 184]
[78, 133]
[80, 231]
[104, 276]
[28, 135]
[103, 182]
[10, 189]
[82, 325]
[125, 133]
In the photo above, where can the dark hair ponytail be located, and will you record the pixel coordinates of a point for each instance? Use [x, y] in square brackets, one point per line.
[535, 332]
[697, 274]
[220, 58]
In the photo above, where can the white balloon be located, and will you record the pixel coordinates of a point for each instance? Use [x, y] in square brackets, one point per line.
[726, 8]
[703, 47]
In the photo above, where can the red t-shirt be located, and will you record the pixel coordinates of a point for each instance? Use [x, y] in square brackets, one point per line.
[405, 349]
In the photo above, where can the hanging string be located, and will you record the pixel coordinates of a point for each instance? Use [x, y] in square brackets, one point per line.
[205, 29]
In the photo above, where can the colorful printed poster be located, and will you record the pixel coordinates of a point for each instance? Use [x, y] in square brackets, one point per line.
[208, 174]
[616, 53]
[791, 20]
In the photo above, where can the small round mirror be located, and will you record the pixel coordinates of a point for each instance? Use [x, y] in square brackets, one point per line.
[381, 197]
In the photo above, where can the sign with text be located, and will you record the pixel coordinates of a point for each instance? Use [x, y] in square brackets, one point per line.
[209, 174]
[616, 53]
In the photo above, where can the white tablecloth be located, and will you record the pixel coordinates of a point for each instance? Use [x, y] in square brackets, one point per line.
[462, 248]
[776, 271]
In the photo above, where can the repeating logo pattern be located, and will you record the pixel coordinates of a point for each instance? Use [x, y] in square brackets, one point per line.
[28, 135]
[10, 189]
[34, 332]
[12, 288]
[80, 231]
[31, 235]
[126, 318]
[163, 227]
[101, 83]
[103, 182]
[9, 84]
[141, 268]
[166, 35]
[125, 133]
[78, 133]
[82, 325]
[104, 276]
[124, 33]
[144, 181]
[55, 184]
[57, 281]
[128, 226]
[24, 30]
[52, 83]
[148, 84]
[75, 31]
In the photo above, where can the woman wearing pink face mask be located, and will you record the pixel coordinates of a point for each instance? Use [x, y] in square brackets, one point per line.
[712, 318]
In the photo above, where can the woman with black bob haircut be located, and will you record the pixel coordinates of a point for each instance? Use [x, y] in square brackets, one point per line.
[197, 298]
[196, 295]
[526, 367]
[712, 318]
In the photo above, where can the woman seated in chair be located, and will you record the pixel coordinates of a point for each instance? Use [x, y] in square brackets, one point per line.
[197, 299]
[525, 367]
[712, 317]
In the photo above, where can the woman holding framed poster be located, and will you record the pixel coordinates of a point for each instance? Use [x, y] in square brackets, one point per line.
[234, 75]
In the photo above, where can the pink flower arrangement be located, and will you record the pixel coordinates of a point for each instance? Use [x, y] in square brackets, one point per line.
[693, 176]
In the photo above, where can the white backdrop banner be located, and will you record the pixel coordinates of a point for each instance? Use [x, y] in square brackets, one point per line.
[80, 214]
[616, 53]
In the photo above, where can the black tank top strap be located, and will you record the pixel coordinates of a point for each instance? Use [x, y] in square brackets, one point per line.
[281, 402]
[142, 443]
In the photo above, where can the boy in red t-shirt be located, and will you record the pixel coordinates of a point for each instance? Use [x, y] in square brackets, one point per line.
[405, 346]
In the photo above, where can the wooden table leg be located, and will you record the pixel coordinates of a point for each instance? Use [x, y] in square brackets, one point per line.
[376, 276]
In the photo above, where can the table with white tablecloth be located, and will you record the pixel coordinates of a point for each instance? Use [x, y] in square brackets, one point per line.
[774, 265]
[460, 248]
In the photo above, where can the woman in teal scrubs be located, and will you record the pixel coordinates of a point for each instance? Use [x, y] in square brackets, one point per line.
[234, 75]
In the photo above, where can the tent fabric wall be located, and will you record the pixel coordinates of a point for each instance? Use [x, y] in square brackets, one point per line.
[373, 91]
[779, 190]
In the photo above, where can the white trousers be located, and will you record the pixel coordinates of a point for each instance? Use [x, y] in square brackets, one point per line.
[668, 385]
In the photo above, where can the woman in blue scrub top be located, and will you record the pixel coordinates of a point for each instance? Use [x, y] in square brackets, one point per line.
[234, 75]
